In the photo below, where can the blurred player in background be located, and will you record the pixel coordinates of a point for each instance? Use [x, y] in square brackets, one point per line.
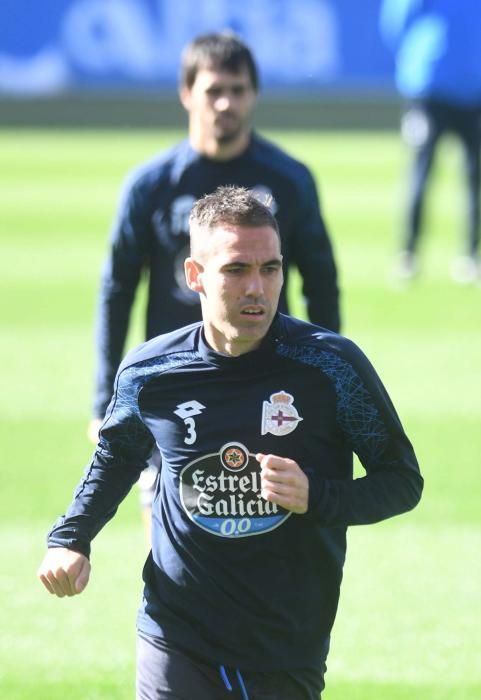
[437, 45]
[218, 89]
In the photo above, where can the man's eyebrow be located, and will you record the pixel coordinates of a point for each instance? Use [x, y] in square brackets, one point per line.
[277, 262]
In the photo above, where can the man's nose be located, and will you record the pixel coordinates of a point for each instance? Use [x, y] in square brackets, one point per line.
[223, 102]
[255, 285]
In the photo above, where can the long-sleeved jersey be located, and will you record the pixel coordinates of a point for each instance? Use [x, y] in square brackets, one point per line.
[151, 233]
[233, 578]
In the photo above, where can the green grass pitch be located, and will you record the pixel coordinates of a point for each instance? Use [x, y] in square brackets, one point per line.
[408, 624]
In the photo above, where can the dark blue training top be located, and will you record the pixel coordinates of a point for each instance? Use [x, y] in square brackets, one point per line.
[231, 578]
[152, 233]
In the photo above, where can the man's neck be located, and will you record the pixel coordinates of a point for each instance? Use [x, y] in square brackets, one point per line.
[215, 150]
[227, 347]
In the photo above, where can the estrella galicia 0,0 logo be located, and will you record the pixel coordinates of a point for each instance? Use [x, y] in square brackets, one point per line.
[221, 493]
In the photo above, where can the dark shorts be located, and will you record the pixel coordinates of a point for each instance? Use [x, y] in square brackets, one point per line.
[164, 673]
[425, 120]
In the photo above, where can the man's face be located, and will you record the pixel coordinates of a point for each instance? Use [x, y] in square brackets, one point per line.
[219, 104]
[239, 277]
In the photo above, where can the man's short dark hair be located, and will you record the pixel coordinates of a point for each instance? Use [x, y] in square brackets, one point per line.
[218, 51]
[232, 206]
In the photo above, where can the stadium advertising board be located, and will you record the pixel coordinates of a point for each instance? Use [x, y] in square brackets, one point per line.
[68, 45]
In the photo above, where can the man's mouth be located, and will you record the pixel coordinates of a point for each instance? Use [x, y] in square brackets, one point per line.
[252, 311]
[226, 118]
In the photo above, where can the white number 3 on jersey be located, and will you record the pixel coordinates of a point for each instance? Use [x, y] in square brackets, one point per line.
[186, 411]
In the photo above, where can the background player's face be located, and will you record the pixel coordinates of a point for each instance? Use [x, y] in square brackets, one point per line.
[219, 105]
[239, 277]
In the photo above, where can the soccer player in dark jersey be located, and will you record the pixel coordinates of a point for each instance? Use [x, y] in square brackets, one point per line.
[257, 416]
[218, 88]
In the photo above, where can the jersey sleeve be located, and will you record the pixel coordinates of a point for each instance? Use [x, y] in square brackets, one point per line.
[312, 253]
[369, 425]
[128, 254]
[125, 444]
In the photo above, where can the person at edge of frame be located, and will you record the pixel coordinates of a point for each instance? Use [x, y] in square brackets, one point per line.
[257, 416]
[437, 48]
[218, 87]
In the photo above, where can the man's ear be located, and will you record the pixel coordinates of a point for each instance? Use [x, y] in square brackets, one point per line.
[184, 97]
[193, 275]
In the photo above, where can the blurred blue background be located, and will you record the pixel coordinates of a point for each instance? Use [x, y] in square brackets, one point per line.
[310, 50]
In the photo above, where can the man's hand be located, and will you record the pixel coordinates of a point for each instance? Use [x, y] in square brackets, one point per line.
[283, 482]
[64, 572]
[93, 429]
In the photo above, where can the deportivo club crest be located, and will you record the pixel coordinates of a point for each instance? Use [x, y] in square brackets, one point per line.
[279, 415]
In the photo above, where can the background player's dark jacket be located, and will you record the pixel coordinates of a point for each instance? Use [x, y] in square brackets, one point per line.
[231, 578]
[151, 234]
